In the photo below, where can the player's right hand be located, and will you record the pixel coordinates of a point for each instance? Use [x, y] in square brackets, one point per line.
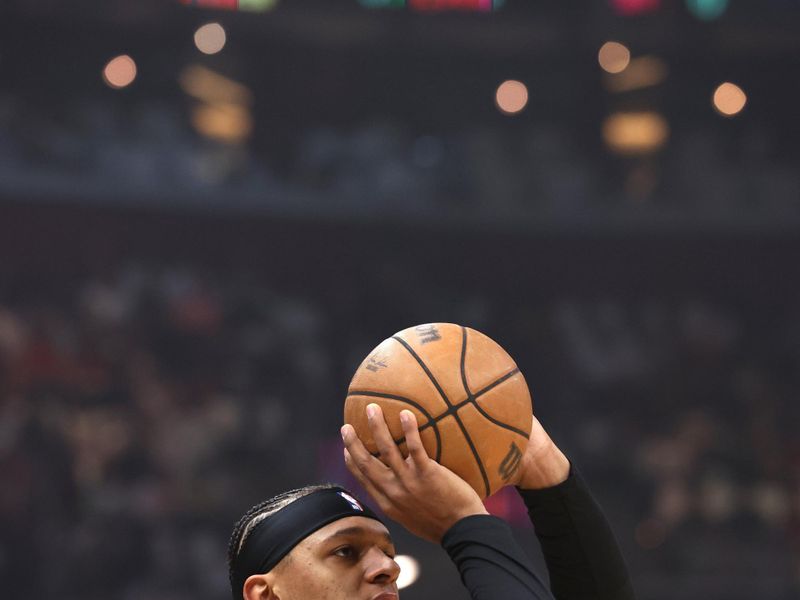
[417, 492]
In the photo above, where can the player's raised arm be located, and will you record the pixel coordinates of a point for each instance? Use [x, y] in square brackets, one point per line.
[582, 555]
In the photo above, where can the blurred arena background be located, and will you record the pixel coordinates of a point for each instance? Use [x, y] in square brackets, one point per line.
[210, 214]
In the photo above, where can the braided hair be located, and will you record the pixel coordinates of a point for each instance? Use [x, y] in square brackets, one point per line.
[261, 511]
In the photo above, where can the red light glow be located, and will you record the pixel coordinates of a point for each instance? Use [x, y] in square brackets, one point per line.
[630, 8]
[436, 5]
[222, 4]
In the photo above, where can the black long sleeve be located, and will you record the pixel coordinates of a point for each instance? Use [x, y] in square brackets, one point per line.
[581, 553]
[490, 561]
[582, 557]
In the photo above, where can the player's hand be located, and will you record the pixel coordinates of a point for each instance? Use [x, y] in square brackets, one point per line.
[543, 464]
[417, 492]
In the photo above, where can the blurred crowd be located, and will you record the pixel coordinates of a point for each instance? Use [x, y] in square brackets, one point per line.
[539, 170]
[143, 410]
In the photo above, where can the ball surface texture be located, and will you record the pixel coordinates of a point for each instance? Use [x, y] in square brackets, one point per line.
[471, 401]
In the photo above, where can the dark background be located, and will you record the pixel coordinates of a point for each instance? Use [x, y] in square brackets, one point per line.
[180, 315]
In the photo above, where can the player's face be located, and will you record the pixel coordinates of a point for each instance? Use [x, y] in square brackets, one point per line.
[349, 559]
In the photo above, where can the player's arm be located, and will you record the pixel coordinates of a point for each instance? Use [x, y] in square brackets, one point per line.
[436, 504]
[582, 555]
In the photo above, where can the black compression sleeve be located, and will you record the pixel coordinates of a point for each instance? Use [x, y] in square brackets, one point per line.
[580, 550]
[491, 563]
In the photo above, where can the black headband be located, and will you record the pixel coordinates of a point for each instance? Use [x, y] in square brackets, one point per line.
[274, 537]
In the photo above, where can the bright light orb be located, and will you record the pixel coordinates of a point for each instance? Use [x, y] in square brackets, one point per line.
[210, 38]
[511, 97]
[729, 99]
[119, 72]
[633, 133]
[614, 57]
[409, 570]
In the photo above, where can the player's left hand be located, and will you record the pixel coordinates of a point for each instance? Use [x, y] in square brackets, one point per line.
[543, 463]
[417, 492]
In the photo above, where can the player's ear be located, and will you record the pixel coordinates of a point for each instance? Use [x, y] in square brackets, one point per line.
[260, 587]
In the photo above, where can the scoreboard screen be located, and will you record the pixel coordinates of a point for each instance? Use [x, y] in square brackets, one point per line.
[437, 5]
[414, 5]
[251, 5]
[473, 5]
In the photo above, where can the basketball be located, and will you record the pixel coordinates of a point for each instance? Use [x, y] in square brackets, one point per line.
[471, 401]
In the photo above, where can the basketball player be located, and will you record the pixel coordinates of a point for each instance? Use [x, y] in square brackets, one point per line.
[320, 543]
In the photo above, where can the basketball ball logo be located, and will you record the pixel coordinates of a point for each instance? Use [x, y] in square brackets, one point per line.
[510, 463]
[427, 333]
[375, 363]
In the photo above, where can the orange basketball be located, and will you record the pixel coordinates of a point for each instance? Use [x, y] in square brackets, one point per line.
[470, 399]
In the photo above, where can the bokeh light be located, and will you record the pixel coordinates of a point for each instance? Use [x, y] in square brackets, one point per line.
[210, 38]
[409, 570]
[210, 86]
[630, 8]
[511, 97]
[635, 132]
[642, 72]
[707, 10]
[729, 99]
[382, 3]
[257, 5]
[120, 71]
[224, 122]
[614, 57]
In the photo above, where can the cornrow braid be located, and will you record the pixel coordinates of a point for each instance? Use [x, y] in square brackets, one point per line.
[261, 511]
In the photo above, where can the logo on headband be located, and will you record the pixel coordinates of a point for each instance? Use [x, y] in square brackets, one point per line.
[352, 501]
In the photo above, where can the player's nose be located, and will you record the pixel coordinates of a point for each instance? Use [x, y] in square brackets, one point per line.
[381, 569]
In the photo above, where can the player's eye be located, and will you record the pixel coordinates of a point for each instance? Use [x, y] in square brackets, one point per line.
[345, 551]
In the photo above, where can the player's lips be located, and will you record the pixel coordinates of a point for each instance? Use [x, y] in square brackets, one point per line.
[385, 596]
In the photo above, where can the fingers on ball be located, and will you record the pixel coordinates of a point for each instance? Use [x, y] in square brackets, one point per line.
[413, 440]
[388, 451]
[356, 454]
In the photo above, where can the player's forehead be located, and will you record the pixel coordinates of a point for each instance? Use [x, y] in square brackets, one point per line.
[362, 528]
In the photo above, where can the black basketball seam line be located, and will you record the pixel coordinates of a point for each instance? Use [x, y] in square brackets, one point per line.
[431, 421]
[506, 426]
[458, 420]
[425, 368]
[473, 397]
[496, 382]
[463, 361]
[469, 398]
[474, 452]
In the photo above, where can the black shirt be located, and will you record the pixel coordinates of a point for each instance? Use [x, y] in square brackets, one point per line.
[582, 556]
